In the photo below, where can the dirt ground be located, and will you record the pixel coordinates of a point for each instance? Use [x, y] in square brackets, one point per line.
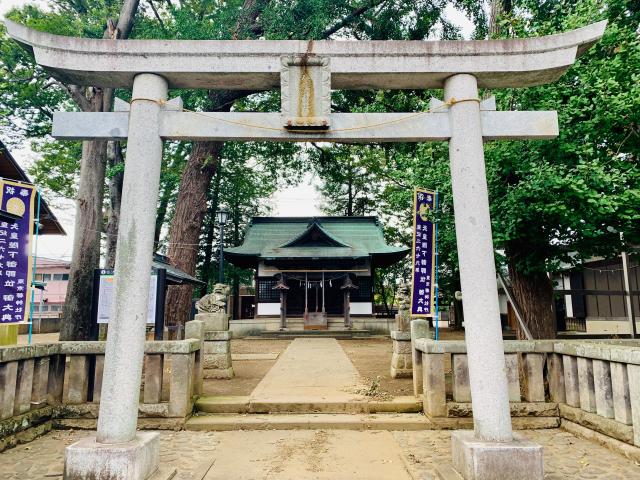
[248, 373]
[371, 357]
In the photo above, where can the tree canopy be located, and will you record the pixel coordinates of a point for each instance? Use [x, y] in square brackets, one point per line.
[554, 203]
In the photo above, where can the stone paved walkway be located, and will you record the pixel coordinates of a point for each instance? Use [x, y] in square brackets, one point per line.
[307, 455]
[310, 369]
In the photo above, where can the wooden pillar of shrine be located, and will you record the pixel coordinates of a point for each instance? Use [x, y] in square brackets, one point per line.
[346, 288]
[282, 287]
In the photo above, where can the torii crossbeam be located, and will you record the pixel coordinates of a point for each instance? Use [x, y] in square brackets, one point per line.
[306, 72]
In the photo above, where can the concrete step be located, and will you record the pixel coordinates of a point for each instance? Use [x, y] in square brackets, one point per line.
[297, 421]
[346, 421]
[340, 334]
[248, 405]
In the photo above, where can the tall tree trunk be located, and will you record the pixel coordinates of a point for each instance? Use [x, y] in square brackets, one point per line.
[186, 225]
[114, 157]
[383, 294]
[211, 226]
[494, 13]
[76, 315]
[165, 196]
[350, 196]
[533, 291]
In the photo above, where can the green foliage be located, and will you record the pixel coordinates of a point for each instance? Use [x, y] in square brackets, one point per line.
[566, 200]
[57, 167]
[552, 201]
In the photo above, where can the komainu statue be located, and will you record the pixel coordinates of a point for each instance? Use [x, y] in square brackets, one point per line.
[216, 301]
[404, 304]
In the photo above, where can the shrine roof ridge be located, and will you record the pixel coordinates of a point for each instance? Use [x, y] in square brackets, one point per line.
[320, 218]
[283, 238]
[256, 64]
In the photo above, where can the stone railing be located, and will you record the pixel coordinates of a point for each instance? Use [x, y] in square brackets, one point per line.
[60, 383]
[583, 385]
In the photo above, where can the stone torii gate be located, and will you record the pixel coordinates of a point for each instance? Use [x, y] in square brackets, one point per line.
[306, 72]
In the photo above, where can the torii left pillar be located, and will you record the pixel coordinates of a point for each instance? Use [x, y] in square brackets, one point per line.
[117, 448]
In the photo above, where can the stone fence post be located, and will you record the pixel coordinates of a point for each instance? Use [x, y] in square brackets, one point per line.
[419, 329]
[195, 329]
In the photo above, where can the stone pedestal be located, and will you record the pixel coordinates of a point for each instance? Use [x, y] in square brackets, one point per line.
[217, 345]
[481, 460]
[134, 460]
[401, 362]
[214, 322]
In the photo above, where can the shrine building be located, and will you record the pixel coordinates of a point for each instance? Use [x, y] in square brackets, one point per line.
[314, 273]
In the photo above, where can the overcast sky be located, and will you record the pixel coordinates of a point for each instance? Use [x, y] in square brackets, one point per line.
[301, 200]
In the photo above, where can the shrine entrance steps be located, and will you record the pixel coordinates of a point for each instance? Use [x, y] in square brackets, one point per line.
[313, 385]
[337, 334]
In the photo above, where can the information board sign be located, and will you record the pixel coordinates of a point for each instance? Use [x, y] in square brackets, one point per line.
[105, 296]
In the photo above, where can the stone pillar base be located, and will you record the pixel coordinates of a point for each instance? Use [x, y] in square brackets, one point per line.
[135, 460]
[214, 322]
[401, 360]
[480, 460]
[219, 373]
[217, 354]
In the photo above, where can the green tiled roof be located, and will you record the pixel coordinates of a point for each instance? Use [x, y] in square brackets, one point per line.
[314, 238]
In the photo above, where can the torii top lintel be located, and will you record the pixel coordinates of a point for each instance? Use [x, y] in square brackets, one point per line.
[255, 64]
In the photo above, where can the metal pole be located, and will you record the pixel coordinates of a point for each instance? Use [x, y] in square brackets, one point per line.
[161, 295]
[435, 260]
[221, 263]
[33, 271]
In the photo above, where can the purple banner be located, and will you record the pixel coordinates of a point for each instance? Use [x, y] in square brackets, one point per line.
[16, 230]
[422, 297]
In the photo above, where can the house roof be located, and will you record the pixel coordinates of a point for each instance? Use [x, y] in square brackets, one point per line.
[314, 238]
[10, 170]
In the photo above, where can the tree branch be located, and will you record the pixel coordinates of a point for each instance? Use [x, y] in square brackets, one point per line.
[125, 20]
[74, 91]
[248, 19]
[157, 15]
[354, 15]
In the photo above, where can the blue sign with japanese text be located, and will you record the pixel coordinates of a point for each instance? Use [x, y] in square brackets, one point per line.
[16, 230]
[423, 271]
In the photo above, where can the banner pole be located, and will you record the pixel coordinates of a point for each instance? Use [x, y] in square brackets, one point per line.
[33, 269]
[437, 312]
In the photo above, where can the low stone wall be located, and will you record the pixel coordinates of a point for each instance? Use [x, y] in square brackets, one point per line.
[46, 384]
[42, 325]
[591, 384]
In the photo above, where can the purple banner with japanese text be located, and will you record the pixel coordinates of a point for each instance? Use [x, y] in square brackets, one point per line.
[16, 231]
[423, 271]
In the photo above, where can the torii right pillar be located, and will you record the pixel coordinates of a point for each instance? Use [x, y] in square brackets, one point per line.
[491, 451]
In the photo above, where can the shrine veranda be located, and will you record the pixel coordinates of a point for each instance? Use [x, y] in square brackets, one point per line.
[306, 72]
